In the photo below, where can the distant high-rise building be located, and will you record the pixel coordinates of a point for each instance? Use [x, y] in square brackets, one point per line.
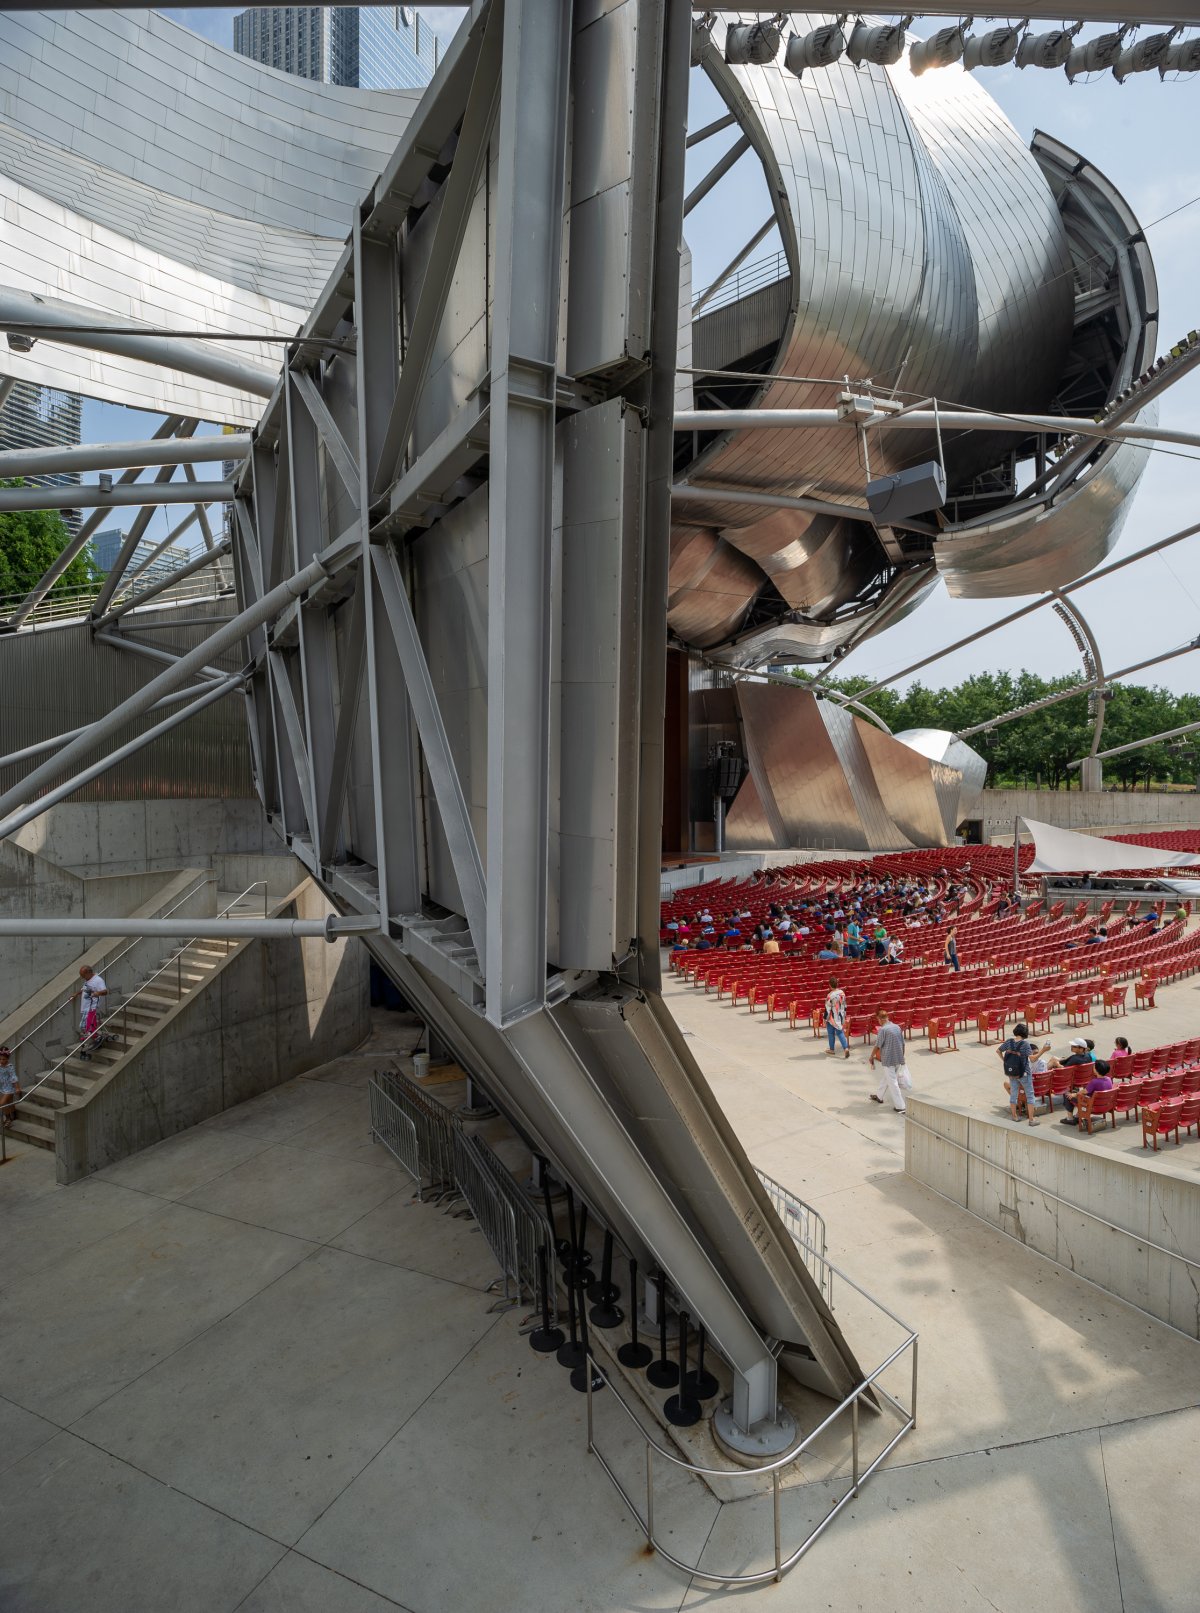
[38, 417]
[106, 546]
[364, 47]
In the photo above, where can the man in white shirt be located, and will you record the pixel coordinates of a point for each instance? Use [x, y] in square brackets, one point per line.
[91, 1000]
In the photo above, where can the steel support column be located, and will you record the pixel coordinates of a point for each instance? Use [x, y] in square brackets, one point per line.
[531, 155]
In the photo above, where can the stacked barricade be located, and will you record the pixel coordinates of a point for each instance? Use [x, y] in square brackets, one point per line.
[447, 1162]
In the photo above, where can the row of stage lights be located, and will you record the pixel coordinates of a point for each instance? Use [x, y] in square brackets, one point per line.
[757, 43]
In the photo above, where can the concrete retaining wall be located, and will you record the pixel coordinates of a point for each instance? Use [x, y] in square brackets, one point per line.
[1100, 810]
[271, 1011]
[119, 837]
[1160, 1206]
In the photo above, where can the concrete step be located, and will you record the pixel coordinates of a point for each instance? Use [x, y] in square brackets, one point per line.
[30, 1133]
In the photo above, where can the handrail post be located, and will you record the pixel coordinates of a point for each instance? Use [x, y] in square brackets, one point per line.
[649, 1493]
[775, 1508]
[854, 1441]
[589, 1366]
[913, 1409]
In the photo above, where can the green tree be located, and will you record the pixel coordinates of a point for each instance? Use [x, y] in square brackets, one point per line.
[30, 542]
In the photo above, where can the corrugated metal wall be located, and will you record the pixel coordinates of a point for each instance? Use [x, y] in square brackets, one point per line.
[55, 679]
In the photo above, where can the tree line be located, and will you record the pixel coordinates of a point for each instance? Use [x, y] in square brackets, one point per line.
[1034, 751]
[30, 542]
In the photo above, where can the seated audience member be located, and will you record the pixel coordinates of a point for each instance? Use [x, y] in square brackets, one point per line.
[1044, 1060]
[1100, 1081]
[1120, 1058]
[1181, 913]
[1078, 1053]
[895, 950]
[770, 945]
[828, 954]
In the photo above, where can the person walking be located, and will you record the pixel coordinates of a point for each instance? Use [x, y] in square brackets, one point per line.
[91, 995]
[950, 949]
[835, 1017]
[1016, 1054]
[888, 1053]
[10, 1089]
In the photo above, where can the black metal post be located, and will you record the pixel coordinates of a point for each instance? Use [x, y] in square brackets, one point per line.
[634, 1354]
[561, 1245]
[545, 1339]
[663, 1373]
[683, 1409]
[702, 1385]
[570, 1354]
[581, 1373]
[606, 1312]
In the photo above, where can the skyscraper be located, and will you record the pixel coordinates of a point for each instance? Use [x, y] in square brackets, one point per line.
[106, 546]
[39, 417]
[364, 47]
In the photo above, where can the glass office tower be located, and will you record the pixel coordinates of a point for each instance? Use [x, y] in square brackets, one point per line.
[40, 417]
[365, 47]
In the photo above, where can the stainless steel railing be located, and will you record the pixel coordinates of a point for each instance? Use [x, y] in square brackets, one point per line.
[656, 1454]
[807, 1228]
[174, 961]
[105, 961]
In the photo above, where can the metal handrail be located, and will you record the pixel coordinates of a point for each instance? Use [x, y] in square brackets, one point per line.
[765, 271]
[859, 1475]
[77, 602]
[796, 1215]
[106, 962]
[176, 958]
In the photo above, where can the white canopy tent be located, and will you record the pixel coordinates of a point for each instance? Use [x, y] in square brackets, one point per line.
[1062, 851]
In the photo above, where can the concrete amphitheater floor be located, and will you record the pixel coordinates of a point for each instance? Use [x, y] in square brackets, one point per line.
[245, 1371]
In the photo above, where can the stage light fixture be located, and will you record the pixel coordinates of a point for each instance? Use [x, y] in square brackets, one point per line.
[1143, 57]
[752, 43]
[821, 48]
[996, 48]
[942, 49]
[882, 46]
[1095, 54]
[1183, 57]
[1047, 50]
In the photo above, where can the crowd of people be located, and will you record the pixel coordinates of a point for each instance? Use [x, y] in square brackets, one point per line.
[1023, 1060]
[871, 924]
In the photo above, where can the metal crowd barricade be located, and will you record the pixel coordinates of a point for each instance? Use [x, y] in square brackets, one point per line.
[807, 1228]
[435, 1149]
[474, 1174]
[433, 1126]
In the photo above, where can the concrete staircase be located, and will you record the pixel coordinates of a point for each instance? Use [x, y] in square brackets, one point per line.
[180, 974]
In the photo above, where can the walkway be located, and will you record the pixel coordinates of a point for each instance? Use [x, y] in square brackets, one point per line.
[244, 1371]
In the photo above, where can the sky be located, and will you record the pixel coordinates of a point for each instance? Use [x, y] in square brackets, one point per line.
[1142, 135]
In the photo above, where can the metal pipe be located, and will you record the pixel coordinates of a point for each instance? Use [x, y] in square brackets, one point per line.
[921, 420]
[330, 928]
[152, 653]
[160, 587]
[173, 425]
[1136, 744]
[20, 308]
[166, 683]
[1036, 604]
[716, 173]
[160, 548]
[207, 697]
[123, 455]
[91, 496]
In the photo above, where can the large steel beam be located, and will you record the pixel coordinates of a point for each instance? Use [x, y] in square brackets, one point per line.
[531, 159]
[91, 496]
[51, 320]
[123, 455]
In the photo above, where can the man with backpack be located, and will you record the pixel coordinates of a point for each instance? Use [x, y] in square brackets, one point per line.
[1017, 1054]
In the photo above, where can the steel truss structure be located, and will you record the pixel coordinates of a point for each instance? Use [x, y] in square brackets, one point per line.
[450, 546]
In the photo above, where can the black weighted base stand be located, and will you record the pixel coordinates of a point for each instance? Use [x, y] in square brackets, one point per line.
[585, 1370]
[682, 1410]
[663, 1373]
[700, 1384]
[545, 1339]
[577, 1256]
[605, 1293]
[571, 1353]
[633, 1354]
